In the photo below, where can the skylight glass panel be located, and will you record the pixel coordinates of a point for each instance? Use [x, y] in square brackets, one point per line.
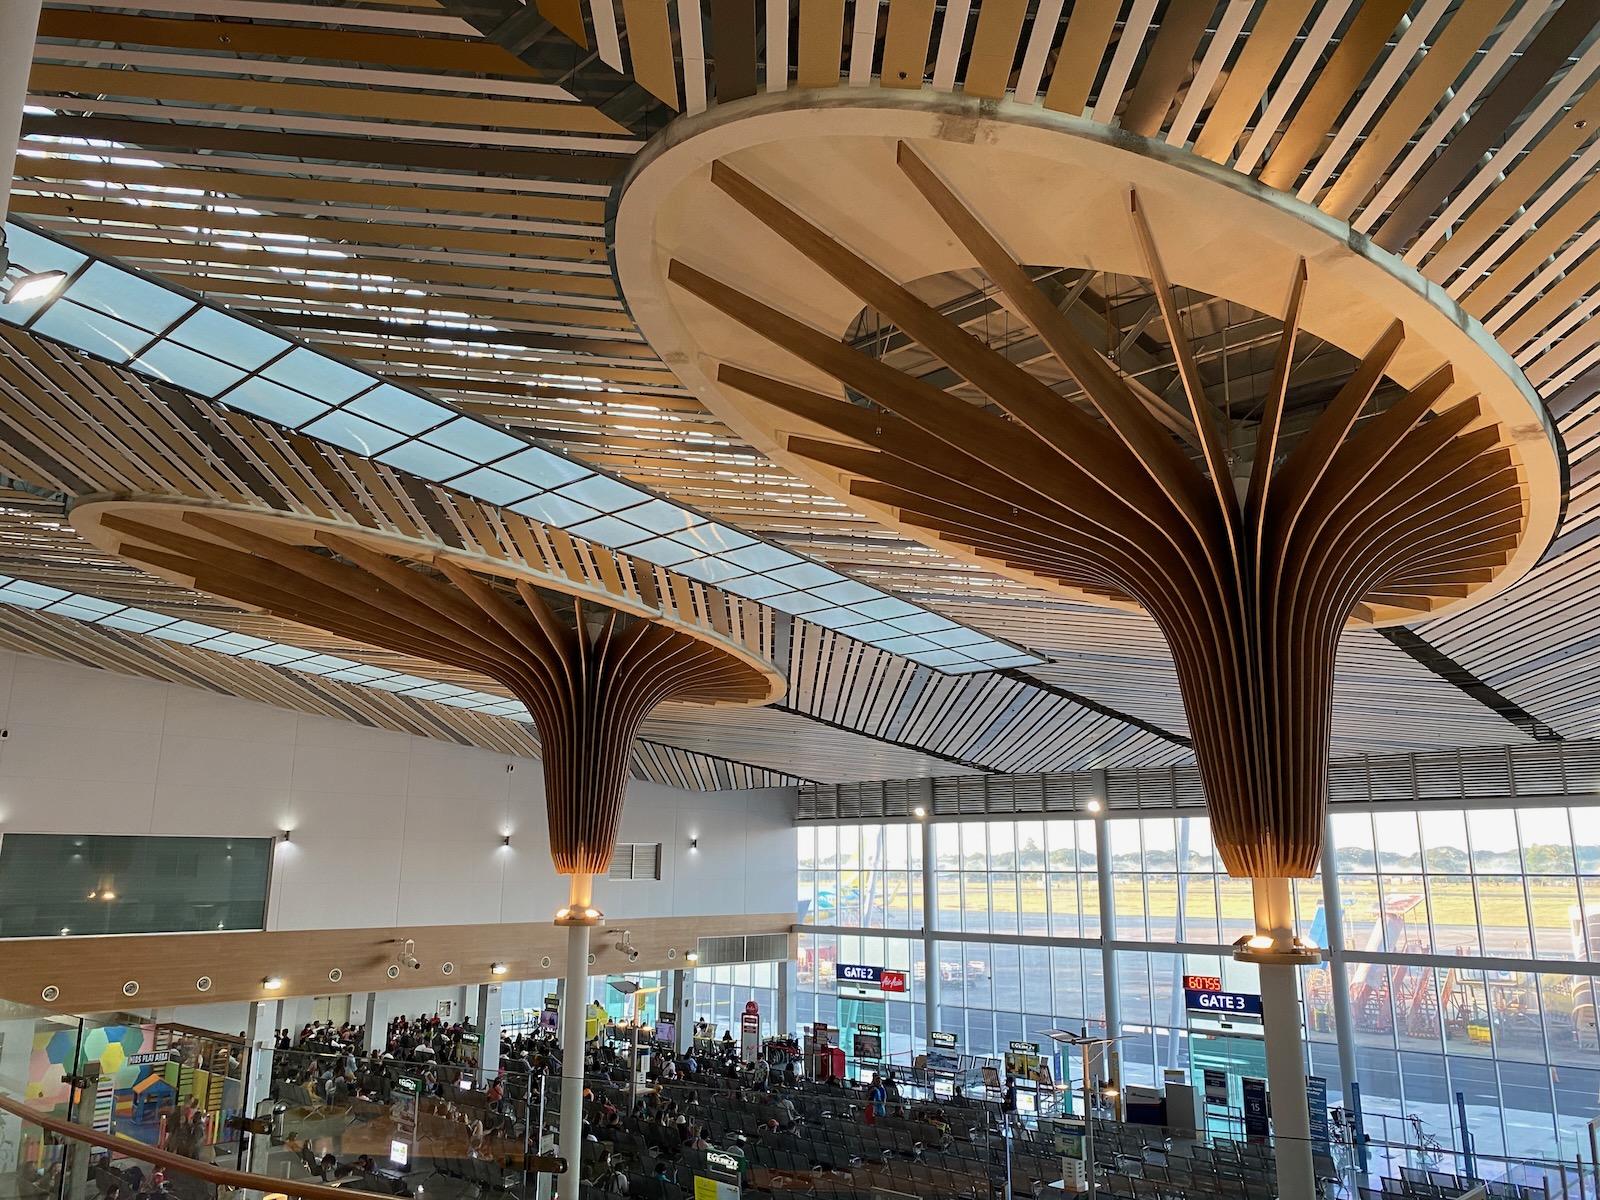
[923, 622]
[886, 608]
[88, 330]
[957, 636]
[43, 593]
[278, 404]
[1013, 660]
[806, 575]
[658, 516]
[473, 440]
[664, 552]
[610, 531]
[34, 253]
[936, 658]
[603, 493]
[132, 620]
[98, 607]
[236, 643]
[798, 603]
[713, 538]
[836, 618]
[139, 302]
[910, 644]
[758, 556]
[329, 380]
[398, 409]
[710, 570]
[489, 484]
[552, 509]
[427, 461]
[224, 336]
[847, 592]
[344, 428]
[188, 369]
[541, 467]
[758, 587]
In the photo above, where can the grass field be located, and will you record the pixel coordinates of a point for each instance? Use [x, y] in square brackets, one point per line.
[1500, 904]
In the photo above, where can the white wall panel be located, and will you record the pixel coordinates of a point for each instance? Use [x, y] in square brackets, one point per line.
[386, 828]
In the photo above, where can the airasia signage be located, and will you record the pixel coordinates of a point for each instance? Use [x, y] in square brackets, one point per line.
[865, 977]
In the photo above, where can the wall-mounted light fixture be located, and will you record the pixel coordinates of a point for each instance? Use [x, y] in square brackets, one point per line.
[692, 957]
[694, 843]
[272, 983]
[286, 833]
[919, 812]
[498, 968]
[1093, 806]
[506, 840]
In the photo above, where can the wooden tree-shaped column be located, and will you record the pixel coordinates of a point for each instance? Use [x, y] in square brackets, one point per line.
[1132, 500]
[588, 674]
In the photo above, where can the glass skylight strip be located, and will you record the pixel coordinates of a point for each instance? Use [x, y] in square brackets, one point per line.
[141, 322]
[94, 611]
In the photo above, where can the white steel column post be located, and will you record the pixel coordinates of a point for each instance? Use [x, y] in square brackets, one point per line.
[1281, 1026]
[1108, 933]
[930, 922]
[574, 1006]
[1338, 971]
[19, 30]
[488, 1021]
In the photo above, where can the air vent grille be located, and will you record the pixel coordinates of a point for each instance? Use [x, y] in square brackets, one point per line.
[635, 860]
[721, 951]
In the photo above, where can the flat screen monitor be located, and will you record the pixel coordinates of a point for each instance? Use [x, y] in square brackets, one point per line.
[399, 1152]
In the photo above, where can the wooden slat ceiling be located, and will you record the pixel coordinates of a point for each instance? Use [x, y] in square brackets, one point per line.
[387, 180]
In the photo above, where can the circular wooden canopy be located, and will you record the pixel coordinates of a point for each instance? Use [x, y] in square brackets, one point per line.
[749, 241]
[904, 187]
[588, 672]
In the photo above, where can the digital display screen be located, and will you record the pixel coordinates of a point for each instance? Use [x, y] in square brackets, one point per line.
[399, 1153]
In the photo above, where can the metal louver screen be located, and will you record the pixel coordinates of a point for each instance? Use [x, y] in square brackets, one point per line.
[635, 860]
[1444, 777]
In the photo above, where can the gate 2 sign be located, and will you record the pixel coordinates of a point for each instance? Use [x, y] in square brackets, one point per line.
[1227, 1004]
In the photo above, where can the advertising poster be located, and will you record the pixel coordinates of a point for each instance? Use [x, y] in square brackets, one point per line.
[869, 1042]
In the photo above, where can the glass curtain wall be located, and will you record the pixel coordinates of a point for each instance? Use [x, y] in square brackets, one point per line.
[1464, 933]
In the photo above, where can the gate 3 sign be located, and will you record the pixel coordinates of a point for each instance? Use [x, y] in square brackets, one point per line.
[1227, 1004]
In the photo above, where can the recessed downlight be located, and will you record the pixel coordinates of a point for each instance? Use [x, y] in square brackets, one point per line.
[203, 984]
[50, 994]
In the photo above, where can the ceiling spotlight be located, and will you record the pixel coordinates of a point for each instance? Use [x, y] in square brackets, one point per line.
[1093, 806]
[39, 285]
[272, 983]
[919, 812]
[498, 968]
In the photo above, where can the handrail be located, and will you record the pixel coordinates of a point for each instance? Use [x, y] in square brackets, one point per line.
[125, 1148]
